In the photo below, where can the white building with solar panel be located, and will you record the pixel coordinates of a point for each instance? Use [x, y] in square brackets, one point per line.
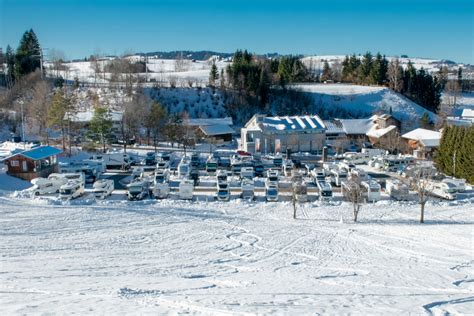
[264, 134]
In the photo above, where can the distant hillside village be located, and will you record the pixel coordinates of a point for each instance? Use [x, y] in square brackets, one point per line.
[263, 104]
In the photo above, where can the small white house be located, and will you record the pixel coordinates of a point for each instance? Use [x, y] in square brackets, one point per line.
[263, 134]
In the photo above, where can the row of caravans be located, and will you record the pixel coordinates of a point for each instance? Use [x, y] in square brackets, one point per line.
[68, 185]
[370, 190]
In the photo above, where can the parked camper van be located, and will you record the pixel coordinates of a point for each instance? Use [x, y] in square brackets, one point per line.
[288, 166]
[371, 189]
[71, 190]
[247, 172]
[221, 175]
[137, 190]
[103, 188]
[460, 184]
[336, 177]
[248, 189]
[223, 191]
[163, 164]
[271, 192]
[211, 165]
[160, 188]
[65, 177]
[325, 191]
[272, 177]
[45, 186]
[186, 188]
[444, 190]
[184, 168]
[114, 160]
[317, 175]
[356, 157]
[397, 189]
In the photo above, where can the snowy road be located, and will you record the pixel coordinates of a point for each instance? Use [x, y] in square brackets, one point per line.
[235, 258]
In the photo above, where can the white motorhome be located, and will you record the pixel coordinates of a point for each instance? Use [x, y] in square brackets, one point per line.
[372, 152]
[163, 164]
[45, 186]
[223, 191]
[221, 175]
[71, 190]
[114, 160]
[460, 184]
[248, 189]
[103, 188]
[90, 173]
[211, 165]
[247, 172]
[371, 189]
[397, 189]
[336, 177]
[137, 190]
[325, 191]
[160, 188]
[271, 193]
[444, 190]
[318, 175]
[288, 166]
[186, 189]
[65, 177]
[272, 177]
[356, 157]
[184, 169]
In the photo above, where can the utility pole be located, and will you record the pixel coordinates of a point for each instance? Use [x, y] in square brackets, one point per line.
[22, 125]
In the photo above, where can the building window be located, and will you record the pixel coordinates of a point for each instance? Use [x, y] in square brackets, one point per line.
[15, 163]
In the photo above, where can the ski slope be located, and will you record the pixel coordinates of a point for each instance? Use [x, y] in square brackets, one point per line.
[119, 257]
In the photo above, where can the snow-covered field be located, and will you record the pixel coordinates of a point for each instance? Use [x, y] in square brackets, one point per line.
[149, 257]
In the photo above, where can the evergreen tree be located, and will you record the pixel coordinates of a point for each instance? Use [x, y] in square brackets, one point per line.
[365, 68]
[10, 61]
[101, 125]
[213, 75]
[425, 121]
[28, 54]
[327, 74]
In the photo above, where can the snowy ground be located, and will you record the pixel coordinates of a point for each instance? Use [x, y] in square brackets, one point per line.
[149, 257]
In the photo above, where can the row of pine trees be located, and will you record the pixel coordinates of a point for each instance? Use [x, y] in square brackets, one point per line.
[455, 155]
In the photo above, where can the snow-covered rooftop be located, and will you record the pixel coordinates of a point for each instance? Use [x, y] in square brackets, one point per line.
[422, 134]
[357, 126]
[291, 123]
[210, 121]
[468, 113]
[379, 132]
[213, 130]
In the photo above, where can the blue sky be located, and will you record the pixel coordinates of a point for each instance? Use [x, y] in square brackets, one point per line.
[423, 28]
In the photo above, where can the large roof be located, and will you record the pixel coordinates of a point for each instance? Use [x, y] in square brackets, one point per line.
[38, 153]
[422, 134]
[291, 123]
[468, 114]
[357, 126]
[209, 121]
[213, 130]
[334, 127]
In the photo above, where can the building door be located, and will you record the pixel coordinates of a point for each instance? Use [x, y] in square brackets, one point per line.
[24, 166]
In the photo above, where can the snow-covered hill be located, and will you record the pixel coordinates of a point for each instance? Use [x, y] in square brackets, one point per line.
[363, 100]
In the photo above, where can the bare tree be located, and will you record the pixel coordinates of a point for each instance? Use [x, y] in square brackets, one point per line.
[352, 190]
[340, 144]
[57, 58]
[452, 91]
[422, 183]
[181, 63]
[395, 74]
[391, 142]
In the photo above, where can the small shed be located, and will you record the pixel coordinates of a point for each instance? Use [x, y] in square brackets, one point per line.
[33, 163]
